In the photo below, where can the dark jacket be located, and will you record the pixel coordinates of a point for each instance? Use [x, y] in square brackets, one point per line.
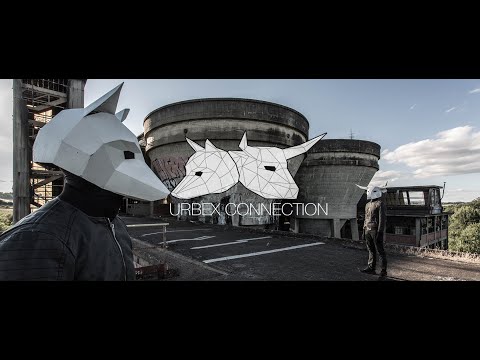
[375, 215]
[60, 242]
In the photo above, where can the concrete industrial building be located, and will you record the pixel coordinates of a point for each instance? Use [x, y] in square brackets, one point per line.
[36, 102]
[327, 175]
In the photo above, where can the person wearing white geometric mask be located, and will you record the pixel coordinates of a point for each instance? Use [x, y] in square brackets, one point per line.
[78, 235]
[374, 228]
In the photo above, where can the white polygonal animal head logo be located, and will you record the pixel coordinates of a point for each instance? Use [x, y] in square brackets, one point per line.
[208, 171]
[262, 170]
[95, 145]
[373, 192]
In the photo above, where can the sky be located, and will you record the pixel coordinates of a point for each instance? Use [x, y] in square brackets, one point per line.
[428, 130]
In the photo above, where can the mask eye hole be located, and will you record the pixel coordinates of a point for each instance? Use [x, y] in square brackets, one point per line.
[129, 155]
[199, 173]
[270, 168]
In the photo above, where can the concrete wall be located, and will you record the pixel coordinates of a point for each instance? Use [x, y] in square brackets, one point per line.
[140, 209]
[223, 122]
[76, 93]
[328, 175]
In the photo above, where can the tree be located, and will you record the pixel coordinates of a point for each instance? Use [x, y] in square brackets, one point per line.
[464, 231]
[467, 239]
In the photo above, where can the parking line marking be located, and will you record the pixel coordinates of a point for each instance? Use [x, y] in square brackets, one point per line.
[261, 252]
[193, 239]
[171, 231]
[230, 243]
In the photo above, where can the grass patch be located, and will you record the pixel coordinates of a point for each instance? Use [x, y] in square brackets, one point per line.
[6, 217]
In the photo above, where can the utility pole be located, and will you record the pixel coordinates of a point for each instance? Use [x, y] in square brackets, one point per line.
[21, 163]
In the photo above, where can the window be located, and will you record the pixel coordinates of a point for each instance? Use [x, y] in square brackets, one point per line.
[402, 198]
[401, 230]
[416, 198]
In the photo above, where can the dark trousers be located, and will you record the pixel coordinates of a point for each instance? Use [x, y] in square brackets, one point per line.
[374, 245]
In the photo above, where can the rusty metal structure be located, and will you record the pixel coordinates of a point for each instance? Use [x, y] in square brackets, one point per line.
[35, 103]
[415, 216]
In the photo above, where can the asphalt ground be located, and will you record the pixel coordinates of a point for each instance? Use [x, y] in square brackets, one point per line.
[245, 255]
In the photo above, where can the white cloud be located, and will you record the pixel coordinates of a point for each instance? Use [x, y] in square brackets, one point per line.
[381, 177]
[451, 109]
[452, 152]
[413, 106]
[460, 195]
[474, 91]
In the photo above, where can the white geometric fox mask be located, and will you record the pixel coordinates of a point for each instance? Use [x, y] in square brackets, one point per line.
[262, 170]
[93, 144]
[208, 171]
[373, 192]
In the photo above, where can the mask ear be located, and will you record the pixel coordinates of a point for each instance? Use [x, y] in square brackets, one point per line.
[362, 187]
[122, 115]
[302, 148]
[107, 103]
[243, 143]
[194, 145]
[209, 146]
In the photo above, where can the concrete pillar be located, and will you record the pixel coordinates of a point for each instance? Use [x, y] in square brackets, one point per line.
[151, 208]
[447, 227]
[21, 164]
[426, 240]
[418, 231]
[296, 228]
[235, 219]
[75, 93]
[354, 229]
[336, 228]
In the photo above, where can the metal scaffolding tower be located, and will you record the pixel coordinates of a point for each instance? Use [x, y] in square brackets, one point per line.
[35, 103]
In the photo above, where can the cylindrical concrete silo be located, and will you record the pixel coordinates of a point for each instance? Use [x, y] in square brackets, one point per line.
[328, 176]
[223, 121]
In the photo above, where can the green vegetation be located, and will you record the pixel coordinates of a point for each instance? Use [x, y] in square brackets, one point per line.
[4, 203]
[6, 219]
[6, 196]
[464, 229]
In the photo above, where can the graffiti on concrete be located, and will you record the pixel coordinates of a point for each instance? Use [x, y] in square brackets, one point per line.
[170, 169]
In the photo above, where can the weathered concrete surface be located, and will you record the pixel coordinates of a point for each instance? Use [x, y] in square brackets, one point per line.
[146, 253]
[76, 93]
[328, 176]
[333, 259]
[227, 108]
[189, 269]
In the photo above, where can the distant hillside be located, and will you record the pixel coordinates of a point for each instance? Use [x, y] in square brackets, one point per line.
[6, 203]
[6, 196]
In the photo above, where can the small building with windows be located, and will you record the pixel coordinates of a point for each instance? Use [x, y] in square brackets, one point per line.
[415, 216]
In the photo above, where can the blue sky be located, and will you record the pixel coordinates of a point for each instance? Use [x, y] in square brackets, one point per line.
[404, 116]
